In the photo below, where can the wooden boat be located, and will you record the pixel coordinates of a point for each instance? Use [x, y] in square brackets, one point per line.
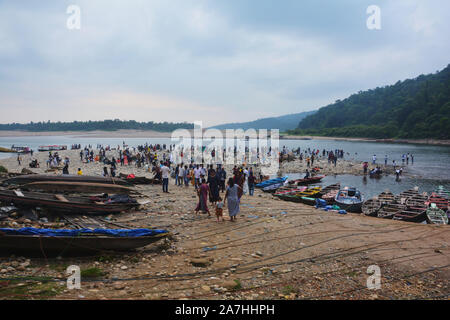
[417, 201]
[138, 180]
[371, 207]
[386, 197]
[312, 192]
[388, 210]
[308, 200]
[272, 188]
[60, 203]
[441, 202]
[441, 191]
[307, 181]
[7, 150]
[330, 196]
[52, 148]
[412, 214]
[297, 197]
[289, 190]
[79, 241]
[76, 187]
[331, 187]
[24, 179]
[403, 196]
[349, 199]
[436, 215]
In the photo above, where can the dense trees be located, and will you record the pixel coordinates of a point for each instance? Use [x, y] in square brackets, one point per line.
[414, 108]
[106, 125]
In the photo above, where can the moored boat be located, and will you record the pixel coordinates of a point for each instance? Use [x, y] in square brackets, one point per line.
[271, 182]
[349, 199]
[441, 202]
[405, 195]
[306, 181]
[386, 197]
[436, 215]
[388, 210]
[289, 190]
[412, 214]
[371, 207]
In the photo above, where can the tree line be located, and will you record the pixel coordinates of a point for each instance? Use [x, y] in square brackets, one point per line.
[105, 125]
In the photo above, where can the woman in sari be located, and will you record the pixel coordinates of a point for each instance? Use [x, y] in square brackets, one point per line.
[232, 195]
[203, 192]
[213, 182]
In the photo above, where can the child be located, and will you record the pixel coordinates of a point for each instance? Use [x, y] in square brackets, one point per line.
[219, 209]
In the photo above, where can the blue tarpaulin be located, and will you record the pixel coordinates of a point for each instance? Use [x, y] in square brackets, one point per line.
[80, 232]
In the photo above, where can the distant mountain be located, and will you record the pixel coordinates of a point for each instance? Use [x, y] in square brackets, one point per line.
[413, 109]
[282, 123]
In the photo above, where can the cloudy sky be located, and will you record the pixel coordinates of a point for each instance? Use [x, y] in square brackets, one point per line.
[215, 61]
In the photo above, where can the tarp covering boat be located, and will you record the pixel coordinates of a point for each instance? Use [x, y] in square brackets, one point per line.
[79, 232]
[270, 182]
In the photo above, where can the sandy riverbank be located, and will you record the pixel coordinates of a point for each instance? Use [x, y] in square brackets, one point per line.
[404, 141]
[275, 250]
[96, 168]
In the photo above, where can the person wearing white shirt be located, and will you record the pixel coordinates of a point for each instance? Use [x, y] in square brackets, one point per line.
[165, 171]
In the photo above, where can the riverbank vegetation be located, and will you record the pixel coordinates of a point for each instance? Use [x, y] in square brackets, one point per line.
[105, 125]
[412, 109]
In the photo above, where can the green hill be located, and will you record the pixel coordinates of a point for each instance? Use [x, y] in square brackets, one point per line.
[282, 123]
[412, 109]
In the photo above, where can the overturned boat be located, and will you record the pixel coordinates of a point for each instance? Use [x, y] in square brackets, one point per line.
[68, 204]
[76, 187]
[24, 179]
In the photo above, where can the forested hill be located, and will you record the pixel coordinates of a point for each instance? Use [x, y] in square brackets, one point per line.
[105, 125]
[412, 109]
[282, 123]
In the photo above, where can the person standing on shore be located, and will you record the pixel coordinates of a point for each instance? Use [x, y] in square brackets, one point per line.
[203, 192]
[374, 159]
[18, 159]
[66, 168]
[385, 160]
[232, 195]
[251, 183]
[79, 172]
[165, 171]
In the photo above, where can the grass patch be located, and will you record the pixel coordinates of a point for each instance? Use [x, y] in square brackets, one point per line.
[92, 273]
[3, 169]
[238, 284]
[20, 289]
[287, 290]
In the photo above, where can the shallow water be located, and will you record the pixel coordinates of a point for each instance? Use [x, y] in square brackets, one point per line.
[370, 187]
[430, 162]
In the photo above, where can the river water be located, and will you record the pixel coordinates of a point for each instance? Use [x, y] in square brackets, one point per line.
[431, 163]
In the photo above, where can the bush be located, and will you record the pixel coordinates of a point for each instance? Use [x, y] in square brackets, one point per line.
[3, 170]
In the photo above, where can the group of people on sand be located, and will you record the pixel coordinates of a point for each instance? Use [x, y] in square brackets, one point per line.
[243, 181]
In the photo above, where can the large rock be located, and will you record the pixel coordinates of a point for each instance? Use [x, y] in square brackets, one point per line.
[201, 262]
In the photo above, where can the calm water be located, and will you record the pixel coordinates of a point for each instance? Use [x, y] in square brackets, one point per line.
[372, 187]
[430, 162]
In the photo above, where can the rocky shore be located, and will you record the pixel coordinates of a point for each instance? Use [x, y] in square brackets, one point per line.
[275, 250]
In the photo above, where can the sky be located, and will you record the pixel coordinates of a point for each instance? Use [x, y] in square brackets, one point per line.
[211, 61]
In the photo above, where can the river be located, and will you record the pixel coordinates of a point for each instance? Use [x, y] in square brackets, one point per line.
[431, 163]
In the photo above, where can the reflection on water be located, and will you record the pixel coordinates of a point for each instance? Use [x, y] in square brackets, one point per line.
[371, 187]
